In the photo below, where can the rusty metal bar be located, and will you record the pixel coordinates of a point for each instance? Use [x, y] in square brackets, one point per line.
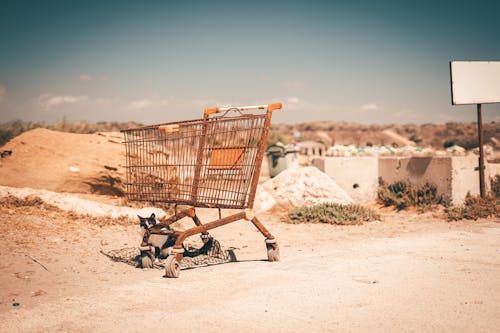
[204, 228]
[260, 155]
[199, 159]
[261, 228]
[176, 217]
[482, 190]
[198, 223]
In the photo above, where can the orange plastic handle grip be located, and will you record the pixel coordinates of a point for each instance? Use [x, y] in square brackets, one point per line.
[168, 128]
[209, 111]
[275, 106]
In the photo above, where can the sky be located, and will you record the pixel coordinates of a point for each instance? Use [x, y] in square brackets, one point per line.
[159, 61]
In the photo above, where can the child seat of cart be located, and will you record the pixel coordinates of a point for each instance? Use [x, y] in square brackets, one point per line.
[226, 160]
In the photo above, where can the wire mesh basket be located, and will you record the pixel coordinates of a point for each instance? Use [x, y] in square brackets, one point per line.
[211, 162]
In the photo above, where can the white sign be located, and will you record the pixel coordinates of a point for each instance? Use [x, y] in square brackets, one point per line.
[475, 82]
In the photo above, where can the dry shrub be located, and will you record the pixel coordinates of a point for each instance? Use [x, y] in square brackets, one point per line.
[332, 213]
[11, 201]
[402, 194]
[32, 204]
[495, 186]
[474, 208]
[12, 129]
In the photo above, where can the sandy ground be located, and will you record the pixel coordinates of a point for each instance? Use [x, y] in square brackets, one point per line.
[409, 272]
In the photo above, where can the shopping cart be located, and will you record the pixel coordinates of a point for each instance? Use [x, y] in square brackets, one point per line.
[212, 162]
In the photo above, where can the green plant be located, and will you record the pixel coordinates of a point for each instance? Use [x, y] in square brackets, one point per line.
[474, 208]
[333, 213]
[402, 194]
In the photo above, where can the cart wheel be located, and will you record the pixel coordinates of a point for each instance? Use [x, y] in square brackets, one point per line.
[172, 267]
[146, 261]
[273, 252]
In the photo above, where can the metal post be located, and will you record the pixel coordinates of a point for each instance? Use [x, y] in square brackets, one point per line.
[481, 152]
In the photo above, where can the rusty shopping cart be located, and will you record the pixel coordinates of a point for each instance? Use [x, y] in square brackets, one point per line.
[212, 162]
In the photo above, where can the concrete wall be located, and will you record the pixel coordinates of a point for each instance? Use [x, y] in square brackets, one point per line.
[465, 178]
[454, 176]
[466, 175]
[418, 171]
[358, 176]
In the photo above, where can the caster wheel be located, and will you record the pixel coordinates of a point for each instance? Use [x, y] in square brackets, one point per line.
[273, 252]
[172, 267]
[146, 261]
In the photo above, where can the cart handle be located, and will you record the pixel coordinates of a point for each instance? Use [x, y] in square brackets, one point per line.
[268, 107]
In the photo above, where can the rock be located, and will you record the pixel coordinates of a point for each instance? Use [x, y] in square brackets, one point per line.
[297, 187]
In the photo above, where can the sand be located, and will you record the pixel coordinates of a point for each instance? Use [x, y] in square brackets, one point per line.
[408, 273]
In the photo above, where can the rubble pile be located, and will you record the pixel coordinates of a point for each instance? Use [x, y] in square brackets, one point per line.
[298, 187]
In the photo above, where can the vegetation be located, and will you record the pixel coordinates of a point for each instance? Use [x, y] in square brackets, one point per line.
[426, 135]
[475, 208]
[402, 194]
[276, 136]
[14, 128]
[332, 213]
[436, 136]
[495, 186]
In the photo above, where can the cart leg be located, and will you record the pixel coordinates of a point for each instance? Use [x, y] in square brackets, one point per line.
[204, 228]
[273, 250]
[183, 213]
[204, 235]
[261, 228]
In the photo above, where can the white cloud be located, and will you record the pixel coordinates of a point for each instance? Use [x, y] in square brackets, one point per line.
[49, 102]
[370, 107]
[3, 92]
[85, 77]
[293, 84]
[141, 104]
[406, 115]
[104, 78]
[293, 100]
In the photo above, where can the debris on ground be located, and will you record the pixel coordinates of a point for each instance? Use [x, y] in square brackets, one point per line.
[216, 255]
[5, 153]
[299, 187]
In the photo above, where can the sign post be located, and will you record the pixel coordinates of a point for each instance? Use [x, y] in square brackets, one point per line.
[476, 82]
[482, 191]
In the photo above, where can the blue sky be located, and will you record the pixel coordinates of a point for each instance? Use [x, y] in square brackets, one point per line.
[156, 61]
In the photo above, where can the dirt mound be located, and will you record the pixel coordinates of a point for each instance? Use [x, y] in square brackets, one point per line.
[297, 187]
[65, 162]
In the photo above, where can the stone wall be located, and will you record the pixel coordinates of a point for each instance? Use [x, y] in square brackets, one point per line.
[454, 176]
[358, 176]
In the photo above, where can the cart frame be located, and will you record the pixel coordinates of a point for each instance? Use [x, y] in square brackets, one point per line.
[221, 176]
